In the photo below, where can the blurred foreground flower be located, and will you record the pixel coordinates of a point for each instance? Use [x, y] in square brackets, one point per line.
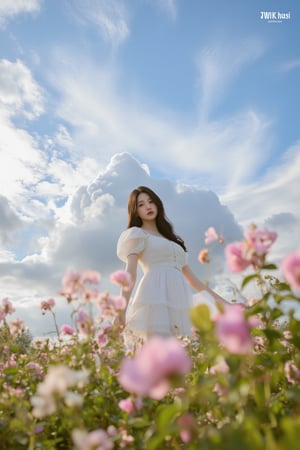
[55, 385]
[149, 372]
[94, 440]
[290, 267]
[234, 330]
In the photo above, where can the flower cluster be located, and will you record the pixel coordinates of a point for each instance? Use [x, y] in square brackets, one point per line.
[236, 380]
[250, 252]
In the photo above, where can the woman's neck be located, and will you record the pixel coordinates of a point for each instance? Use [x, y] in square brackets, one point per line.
[150, 227]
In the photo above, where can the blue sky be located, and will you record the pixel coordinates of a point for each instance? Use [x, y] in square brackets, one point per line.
[198, 99]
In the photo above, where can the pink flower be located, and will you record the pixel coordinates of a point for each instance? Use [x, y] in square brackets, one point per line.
[35, 367]
[187, 425]
[292, 372]
[89, 277]
[7, 307]
[235, 257]
[67, 330]
[119, 303]
[252, 251]
[290, 267]
[203, 256]
[233, 330]
[211, 235]
[16, 327]
[85, 321]
[74, 283]
[109, 305]
[148, 373]
[47, 305]
[122, 278]
[102, 338]
[130, 405]
[260, 240]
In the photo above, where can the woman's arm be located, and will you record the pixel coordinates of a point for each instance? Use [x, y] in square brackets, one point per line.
[198, 286]
[131, 268]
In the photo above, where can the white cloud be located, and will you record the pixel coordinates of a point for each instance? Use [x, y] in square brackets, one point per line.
[111, 18]
[19, 93]
[272, 201]
[106, 119]
[11, 8]
[218, 65]
[9, 219]
[21, 162]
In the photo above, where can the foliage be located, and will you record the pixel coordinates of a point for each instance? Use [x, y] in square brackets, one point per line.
[239, 390]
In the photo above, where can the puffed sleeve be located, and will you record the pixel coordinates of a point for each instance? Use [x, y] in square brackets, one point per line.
[131, 241]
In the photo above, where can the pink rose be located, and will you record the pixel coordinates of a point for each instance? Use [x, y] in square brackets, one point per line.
[233, 330]
[260, 239]
[235, 257]
[252, 251]
[290, 267]
[148, 372]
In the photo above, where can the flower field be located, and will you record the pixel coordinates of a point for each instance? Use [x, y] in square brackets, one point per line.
[233, 385]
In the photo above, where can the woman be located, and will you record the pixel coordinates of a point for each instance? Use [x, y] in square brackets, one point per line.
[162, 300]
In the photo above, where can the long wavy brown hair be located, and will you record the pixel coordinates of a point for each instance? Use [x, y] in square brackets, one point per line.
[164, 226]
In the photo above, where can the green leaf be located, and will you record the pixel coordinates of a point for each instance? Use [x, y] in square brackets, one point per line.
[200, 317]
[249, 278]
[167, 415]
[269, 267]
[282, 286]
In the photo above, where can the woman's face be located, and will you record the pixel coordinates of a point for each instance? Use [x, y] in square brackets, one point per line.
[145, 207]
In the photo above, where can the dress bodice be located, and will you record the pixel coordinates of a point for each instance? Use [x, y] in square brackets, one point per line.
[153, 250]
[161, 251]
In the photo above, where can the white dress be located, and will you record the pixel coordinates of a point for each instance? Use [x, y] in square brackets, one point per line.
[162, 299]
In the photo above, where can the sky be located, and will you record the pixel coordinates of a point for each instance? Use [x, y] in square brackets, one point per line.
[198, 100]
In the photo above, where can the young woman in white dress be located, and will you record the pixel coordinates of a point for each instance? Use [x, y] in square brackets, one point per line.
[163, 298]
